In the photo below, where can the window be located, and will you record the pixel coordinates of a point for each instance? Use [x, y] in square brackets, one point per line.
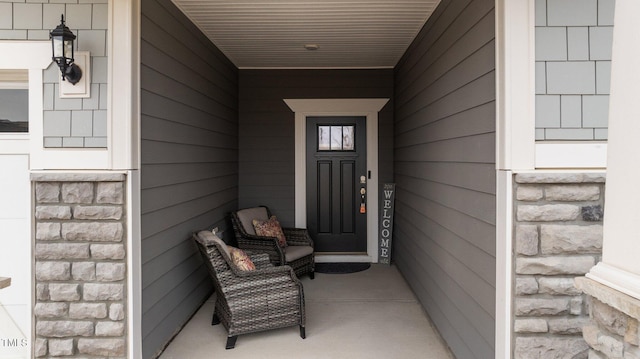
[336, 138]
[14, 101]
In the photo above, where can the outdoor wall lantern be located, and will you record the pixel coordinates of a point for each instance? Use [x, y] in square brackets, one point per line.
[62, 45]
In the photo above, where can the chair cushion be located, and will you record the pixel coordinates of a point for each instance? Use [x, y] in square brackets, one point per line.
[241, 260]
[247, 215]
[270, 228]
[208, 238]
[291, 253]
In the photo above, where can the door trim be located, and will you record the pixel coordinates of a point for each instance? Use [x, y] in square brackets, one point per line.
[339, 107]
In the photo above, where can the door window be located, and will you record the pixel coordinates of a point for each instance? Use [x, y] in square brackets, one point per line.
[336, 138]
[14, 101]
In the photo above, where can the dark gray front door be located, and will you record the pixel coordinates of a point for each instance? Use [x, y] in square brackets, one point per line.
[336, 175]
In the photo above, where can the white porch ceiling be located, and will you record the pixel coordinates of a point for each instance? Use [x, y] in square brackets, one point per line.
[272, 33]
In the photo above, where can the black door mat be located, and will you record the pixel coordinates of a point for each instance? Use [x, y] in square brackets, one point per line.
[341, 268]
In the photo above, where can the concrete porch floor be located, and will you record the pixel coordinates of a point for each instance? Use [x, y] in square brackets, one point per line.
[369, 314]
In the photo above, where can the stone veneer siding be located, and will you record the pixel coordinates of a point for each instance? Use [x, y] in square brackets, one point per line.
[80, 265]
[613, 330]
[557, 236]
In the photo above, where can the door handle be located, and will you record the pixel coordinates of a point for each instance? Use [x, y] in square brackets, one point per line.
[363, 206]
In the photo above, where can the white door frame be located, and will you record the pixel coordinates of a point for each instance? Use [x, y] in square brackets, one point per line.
[339, 107]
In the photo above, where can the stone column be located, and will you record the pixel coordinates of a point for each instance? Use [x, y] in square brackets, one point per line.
[613, 285]
[80, 265]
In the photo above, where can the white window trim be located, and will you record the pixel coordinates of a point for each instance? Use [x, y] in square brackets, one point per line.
[339, 107]
[568, 155]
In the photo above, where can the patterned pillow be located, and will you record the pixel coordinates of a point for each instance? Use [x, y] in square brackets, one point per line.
[240, 259]
[270, 228]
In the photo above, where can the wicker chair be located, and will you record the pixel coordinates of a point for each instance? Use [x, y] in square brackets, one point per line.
[299, 253]
[266, 298]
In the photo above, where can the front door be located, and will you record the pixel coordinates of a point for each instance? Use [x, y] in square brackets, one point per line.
[337, 183]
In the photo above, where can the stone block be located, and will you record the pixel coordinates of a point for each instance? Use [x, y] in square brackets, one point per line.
[92, 231]
[570, 239]
[575, 306]
[110, 272]
[583, 192]
[40, 345]
[527, 239]
[42, 291]
[595, 355]
[584, 177]
[77, 192]
[88, 311]
[613, 320]
[631, 352]
[103, 291]
[102, 347]
[107, 251]
[62, 250]
[50, 310]
[632, 334]
[578, 265]
[592, 213]
[547, 212]
[116, 311]
[109, 329]
[97, 212]
[48, 231]
[83, 271]
[61, 328]
[53, 271]
[542, 306]
[53, 212]
[110, 193]
[549, 348]
[567, 326]
[526, 285]
[64, 292]
[571, 78]
[529, 193]
[551, 43]
[47, 192]
[60, 347]
[558, 286]
[530, 326]
[547, 111]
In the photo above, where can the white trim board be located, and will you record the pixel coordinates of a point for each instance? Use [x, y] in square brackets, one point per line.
[571, 155]
[339, 107]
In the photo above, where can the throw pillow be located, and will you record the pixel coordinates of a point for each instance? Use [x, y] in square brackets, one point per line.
[240, 259]
[270, 228]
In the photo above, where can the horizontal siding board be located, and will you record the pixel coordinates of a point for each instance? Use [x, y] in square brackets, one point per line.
[181, 92]
[480, 90]
[157, 175]
[466, 149]
[196, 45]
[473, 176]
[189, 171]
[318, 80]
[444, 161]
[158, 221]
[158, 198]
[169, 108]
[156, 129]
[476, 120]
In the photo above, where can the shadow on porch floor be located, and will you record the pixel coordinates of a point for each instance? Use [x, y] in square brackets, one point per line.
[370, 314]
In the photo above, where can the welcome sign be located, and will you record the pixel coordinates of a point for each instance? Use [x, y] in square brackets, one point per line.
[386, 222]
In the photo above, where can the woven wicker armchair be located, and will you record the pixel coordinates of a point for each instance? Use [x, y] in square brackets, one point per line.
[299, 253]
[266, 298]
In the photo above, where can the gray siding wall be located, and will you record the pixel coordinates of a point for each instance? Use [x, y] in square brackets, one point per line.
[189, 171]
[444, 238]
[267, 141]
